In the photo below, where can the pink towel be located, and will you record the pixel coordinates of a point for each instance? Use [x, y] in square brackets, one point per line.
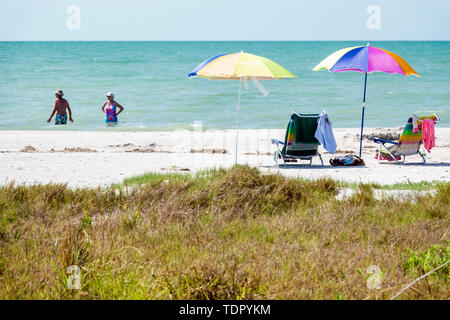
[428, 134]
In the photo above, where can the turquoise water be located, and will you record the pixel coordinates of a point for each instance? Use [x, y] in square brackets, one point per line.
[149, 80]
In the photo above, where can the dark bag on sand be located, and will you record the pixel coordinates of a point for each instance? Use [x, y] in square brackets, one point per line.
[347, 160]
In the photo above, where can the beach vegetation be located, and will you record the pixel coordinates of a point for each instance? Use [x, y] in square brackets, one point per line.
[220, 234]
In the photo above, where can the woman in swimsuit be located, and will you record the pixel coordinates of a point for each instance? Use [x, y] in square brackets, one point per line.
[109, 110]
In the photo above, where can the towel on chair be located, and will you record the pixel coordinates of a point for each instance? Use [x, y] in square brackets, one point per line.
[324, 133]
[428, 134]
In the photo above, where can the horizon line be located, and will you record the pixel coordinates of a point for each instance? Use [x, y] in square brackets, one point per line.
[364, 40]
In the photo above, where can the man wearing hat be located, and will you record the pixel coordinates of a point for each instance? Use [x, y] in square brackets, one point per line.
[59, 108]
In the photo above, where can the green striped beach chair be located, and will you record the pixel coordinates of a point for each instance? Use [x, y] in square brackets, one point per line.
[299, 141]
[408, 144]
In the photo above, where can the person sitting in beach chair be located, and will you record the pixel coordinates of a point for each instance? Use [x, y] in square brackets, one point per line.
[409, 142]
[299, 142]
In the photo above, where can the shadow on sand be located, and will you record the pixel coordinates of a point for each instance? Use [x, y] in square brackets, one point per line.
[418, 164]
[324, 167]
[314, 166]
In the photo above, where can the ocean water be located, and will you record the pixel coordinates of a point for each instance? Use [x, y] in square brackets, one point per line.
[150, 81]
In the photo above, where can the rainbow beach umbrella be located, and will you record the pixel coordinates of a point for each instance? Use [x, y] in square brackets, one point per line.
[243, 67]
[365, 59]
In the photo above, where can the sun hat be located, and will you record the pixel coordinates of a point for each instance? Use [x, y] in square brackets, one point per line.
[60, 92]
[110, 94]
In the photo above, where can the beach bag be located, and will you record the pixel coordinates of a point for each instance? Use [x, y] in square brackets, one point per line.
[347, 160]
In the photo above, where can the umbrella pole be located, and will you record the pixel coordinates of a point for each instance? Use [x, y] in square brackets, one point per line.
[237, 122]
[362, 119]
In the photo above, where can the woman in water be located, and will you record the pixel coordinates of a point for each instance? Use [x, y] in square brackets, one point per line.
[109, 108]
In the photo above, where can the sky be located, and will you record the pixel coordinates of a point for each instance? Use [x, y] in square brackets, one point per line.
[147, 20]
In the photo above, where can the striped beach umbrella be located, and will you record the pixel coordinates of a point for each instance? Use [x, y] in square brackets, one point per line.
[365, 59]
[243, 67]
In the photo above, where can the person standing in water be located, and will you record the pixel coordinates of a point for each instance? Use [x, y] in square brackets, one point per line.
[60, 107]
[109, 108]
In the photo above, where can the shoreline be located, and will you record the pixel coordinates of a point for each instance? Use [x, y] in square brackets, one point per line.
[102, 158]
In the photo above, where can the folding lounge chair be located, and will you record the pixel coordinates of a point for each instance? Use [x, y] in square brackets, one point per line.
[299, 141]
[408, 144]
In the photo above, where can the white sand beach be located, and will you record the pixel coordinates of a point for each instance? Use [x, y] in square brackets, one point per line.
[100, 158]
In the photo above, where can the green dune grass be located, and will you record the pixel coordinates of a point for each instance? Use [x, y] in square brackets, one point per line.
[220, 234]
[413, 186]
